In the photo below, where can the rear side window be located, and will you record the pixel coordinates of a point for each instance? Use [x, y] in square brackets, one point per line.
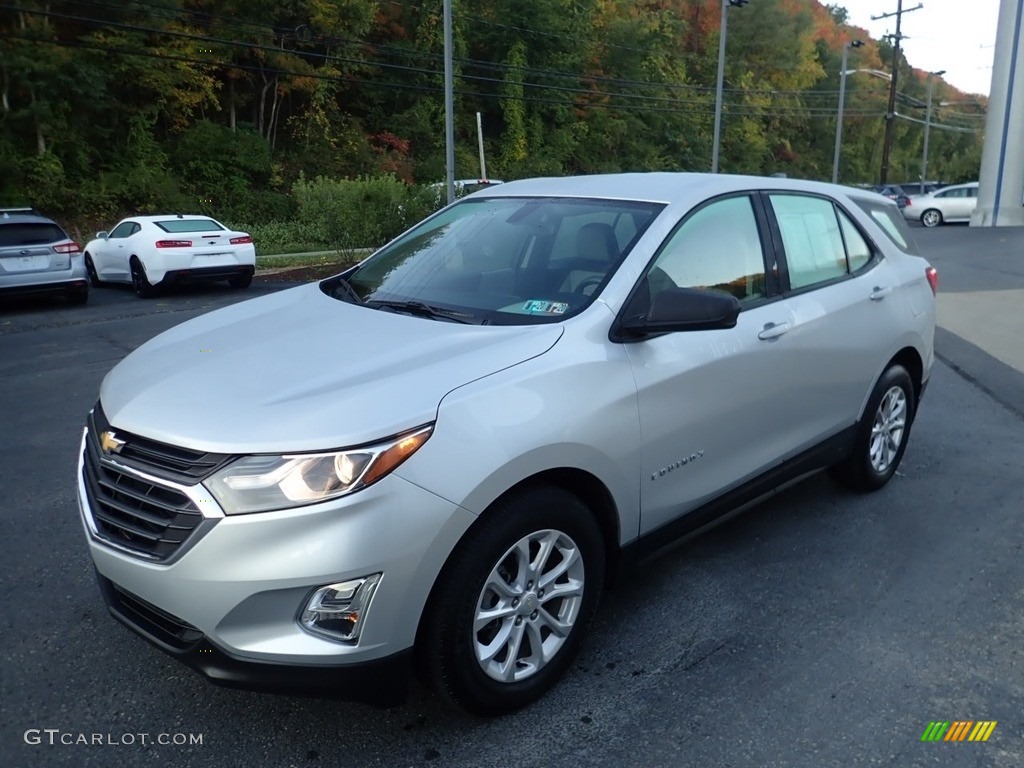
[30, 233]
[891, 222]
[811, 235]
[189, 225]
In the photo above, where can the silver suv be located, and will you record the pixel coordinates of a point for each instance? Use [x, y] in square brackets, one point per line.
[37, 257]
[440, 457]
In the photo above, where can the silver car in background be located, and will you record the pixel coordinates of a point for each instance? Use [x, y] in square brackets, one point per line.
[38, 257]
[948, 205]
[439, 458]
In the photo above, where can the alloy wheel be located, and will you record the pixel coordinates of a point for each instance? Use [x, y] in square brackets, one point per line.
[888, 429]
[528, 605]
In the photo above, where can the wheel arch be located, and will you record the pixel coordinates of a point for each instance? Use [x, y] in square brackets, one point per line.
[910, 359]
[585, 486]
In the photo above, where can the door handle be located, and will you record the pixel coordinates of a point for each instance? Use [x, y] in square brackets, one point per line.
[880, 292]
[773, 331]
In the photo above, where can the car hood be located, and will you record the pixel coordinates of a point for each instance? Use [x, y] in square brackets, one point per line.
[300, 371]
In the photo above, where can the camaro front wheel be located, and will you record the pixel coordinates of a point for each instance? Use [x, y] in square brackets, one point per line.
[510, 609]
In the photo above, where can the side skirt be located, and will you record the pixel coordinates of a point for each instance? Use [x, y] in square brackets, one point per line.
[737, 500]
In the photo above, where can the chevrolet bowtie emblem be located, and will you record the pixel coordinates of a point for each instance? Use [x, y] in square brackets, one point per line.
[109, 443]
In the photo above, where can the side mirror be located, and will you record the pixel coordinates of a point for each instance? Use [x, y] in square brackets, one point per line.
[102, 235]
[684, 309]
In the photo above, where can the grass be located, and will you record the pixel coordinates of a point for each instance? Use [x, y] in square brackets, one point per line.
[317, 259]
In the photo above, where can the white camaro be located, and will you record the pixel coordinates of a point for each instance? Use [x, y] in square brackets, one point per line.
[154, 251]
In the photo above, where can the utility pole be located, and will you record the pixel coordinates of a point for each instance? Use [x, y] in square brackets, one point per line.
[449, 105]
[890, 113]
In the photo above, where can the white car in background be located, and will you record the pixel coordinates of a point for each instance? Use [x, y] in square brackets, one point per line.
[154, 251]
[945, 206]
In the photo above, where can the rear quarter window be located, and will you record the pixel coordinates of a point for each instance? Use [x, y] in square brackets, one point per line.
[30, 233]
[891, 222]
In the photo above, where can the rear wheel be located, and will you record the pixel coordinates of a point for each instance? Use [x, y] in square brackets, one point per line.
[90, 271]
[882, 434]
[140, 284]
[510, 609]
[240, 281]
[931, 218]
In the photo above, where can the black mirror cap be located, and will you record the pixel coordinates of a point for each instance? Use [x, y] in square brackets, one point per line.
[683, 309]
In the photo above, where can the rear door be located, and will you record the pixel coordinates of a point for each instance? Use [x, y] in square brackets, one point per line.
[841, 293]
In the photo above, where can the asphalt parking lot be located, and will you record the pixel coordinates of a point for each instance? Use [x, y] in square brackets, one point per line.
[818, 629]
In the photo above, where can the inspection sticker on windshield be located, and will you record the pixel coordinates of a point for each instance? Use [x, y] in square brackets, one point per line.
[545, 307]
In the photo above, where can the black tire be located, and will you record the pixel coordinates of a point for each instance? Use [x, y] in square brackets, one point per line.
[77, 296]
[861, 472]
[240, 281]
[931, 218]
[90, 270]
[140, 283]
[448, 643]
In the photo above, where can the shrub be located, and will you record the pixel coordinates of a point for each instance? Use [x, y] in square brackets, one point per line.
[350, 214]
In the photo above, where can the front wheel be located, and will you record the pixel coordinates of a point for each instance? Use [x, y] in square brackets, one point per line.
[882, 434]
[510, 609]
[931, 218]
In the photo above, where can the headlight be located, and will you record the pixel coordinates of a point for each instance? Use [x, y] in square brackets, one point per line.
[261, 483]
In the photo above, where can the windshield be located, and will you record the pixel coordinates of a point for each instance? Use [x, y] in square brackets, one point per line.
[501, 260]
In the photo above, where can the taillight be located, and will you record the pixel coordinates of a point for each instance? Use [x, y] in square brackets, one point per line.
[933, 279]
[68, 248]
[243, 240]
[173, 243]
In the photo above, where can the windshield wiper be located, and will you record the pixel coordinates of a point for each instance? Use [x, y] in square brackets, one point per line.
[422, 309]
[347, 289]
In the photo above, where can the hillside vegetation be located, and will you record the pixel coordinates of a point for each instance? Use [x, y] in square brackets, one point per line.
[237, 107]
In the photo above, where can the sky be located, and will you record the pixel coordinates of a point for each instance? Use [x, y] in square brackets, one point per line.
[955, 35]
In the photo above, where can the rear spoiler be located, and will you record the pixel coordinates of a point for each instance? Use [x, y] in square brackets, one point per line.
[6, 212]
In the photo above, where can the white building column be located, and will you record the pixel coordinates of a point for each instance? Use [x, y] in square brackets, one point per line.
[1001, 191]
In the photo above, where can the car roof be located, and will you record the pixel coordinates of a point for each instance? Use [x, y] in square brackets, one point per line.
[660, 187]
[25, 218]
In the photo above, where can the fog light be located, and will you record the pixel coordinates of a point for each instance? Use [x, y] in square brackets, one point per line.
[337, 610]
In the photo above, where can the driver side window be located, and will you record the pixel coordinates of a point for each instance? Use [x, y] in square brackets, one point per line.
[124, 229]
[718, 248]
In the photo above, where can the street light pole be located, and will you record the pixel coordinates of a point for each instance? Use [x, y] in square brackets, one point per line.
[839, 117]
[928, 127]
[721, 79]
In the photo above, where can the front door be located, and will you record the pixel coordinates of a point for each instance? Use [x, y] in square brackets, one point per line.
[716, 407]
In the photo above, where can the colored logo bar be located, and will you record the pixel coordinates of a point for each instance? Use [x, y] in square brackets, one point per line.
[959, 730]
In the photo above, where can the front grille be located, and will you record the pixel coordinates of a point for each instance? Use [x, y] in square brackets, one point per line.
[172, 462]
[148, 518]
[158, 624]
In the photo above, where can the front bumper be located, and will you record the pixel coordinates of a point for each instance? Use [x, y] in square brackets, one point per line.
[228, 605]
[381, 682]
